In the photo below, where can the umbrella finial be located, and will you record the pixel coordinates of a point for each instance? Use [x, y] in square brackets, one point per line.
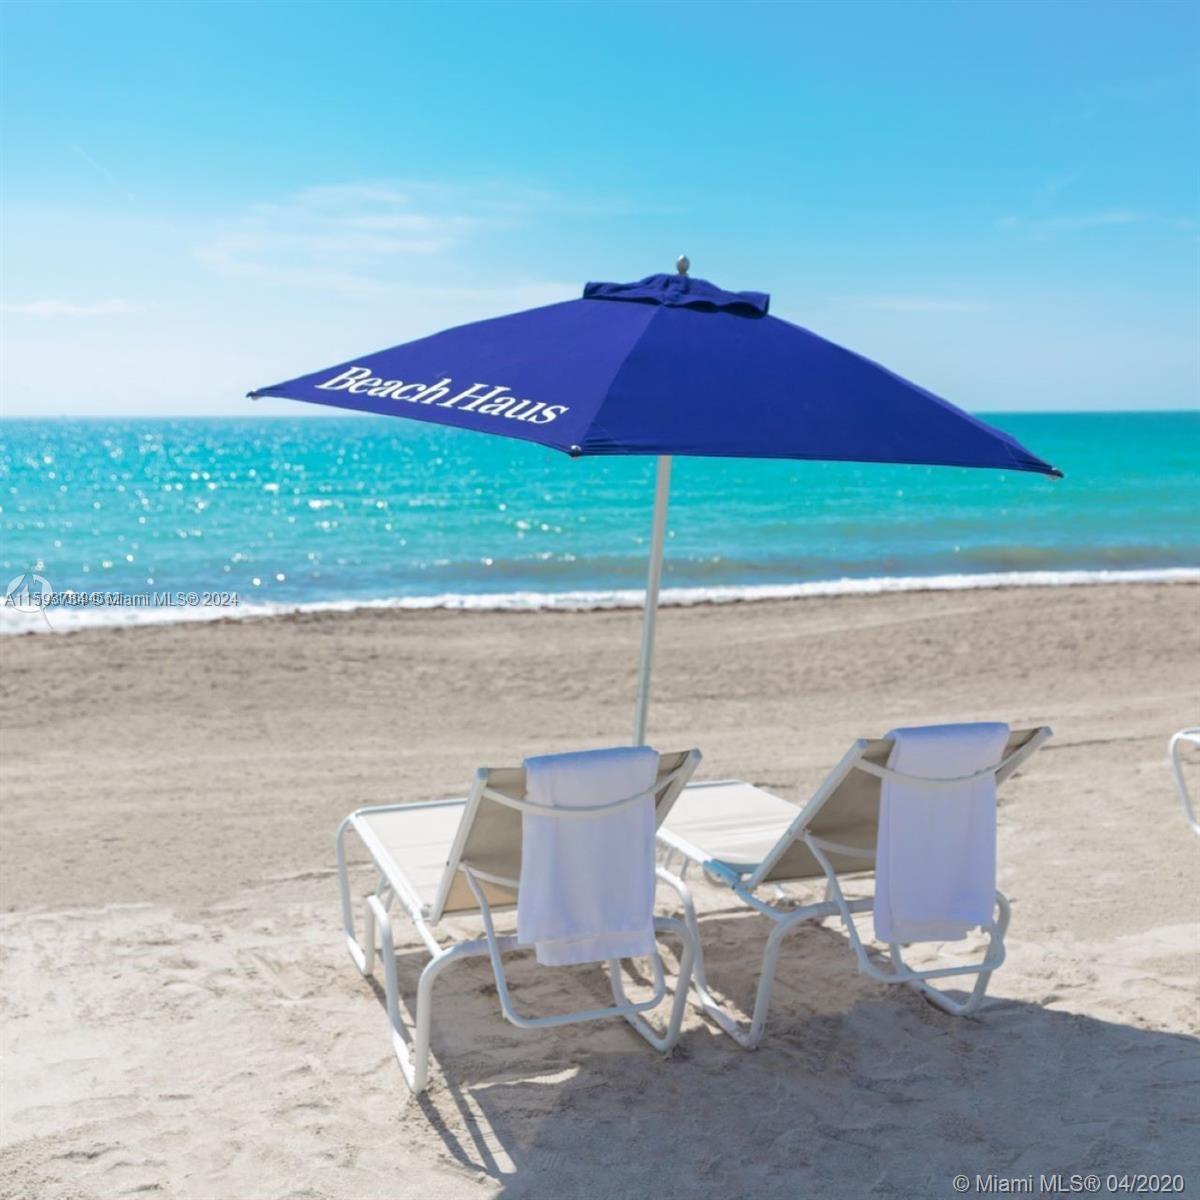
[682, 264]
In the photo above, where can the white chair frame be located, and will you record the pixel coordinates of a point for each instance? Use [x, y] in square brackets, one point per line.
[1192, 736]
[392, 888]
[743, 883]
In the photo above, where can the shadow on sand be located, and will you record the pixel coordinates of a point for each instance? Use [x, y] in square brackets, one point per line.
[857, 1089]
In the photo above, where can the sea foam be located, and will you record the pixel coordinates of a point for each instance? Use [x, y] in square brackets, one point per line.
[63, 620]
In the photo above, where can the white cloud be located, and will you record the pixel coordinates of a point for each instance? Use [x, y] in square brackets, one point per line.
[920, 304]
[361, 236]
[1057, 184]
[1065, 223]
[66, 308]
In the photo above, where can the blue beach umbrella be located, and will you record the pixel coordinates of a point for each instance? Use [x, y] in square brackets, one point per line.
[668, 365]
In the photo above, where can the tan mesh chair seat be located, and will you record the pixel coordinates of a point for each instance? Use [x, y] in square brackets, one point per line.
[420, 847]
[744, 827]
[731, 822]
[411, 847]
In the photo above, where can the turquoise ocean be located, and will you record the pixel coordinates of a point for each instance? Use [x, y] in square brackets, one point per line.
[277, 513]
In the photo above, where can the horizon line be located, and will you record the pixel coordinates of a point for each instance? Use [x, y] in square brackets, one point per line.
[301, 413]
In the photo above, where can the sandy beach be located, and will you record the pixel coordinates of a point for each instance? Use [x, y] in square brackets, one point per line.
[181, 1020]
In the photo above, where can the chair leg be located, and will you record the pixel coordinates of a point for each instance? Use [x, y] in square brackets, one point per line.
[746, 1036]
[495, 946]
[415, 1064]
[1176, 750]
[900, 971]
[361, 953]
[664, 1042]
[766, 980]
[964, 1008]
[367, 964]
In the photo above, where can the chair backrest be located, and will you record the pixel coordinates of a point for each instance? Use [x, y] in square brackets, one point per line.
[845, 810]
[489, 836]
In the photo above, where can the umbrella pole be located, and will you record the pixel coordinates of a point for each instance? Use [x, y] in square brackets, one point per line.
[662, 491]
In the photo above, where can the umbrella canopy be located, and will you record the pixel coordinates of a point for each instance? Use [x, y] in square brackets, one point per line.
[668, 365]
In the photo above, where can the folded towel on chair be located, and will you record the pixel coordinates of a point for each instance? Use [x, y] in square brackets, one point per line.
[587, 884]
[935, 860]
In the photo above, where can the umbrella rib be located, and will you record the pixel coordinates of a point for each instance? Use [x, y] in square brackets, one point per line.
[594, 424]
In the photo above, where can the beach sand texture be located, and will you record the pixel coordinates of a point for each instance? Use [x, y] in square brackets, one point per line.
[180, 1018]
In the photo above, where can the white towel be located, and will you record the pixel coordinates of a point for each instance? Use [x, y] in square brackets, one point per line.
[935, 861]
[587, 883]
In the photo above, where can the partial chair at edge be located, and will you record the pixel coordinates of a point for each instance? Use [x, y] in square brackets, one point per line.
[1184, 736]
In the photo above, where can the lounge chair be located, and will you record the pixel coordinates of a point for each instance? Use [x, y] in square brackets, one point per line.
[462, 859]
[747, 840]
[1176, 748]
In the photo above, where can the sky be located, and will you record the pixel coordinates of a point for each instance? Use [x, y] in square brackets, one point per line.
[1000, 201]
